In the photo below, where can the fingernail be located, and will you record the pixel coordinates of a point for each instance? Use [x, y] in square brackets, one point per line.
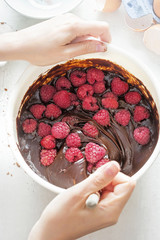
[100, 47]
[112, 168]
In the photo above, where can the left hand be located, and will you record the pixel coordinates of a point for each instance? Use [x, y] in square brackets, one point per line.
[55, 40]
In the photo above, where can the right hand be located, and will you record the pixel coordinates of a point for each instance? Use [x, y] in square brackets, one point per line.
[68, 218]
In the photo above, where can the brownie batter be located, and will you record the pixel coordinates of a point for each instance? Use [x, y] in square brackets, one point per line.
[118, 140]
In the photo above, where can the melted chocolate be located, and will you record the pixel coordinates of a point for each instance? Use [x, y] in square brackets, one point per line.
[117, 140]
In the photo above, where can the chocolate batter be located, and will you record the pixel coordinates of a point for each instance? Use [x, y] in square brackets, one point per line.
[118, 140]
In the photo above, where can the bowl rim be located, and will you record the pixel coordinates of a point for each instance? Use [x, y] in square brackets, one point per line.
[14, 146]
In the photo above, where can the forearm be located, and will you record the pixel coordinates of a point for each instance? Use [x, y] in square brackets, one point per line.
[45, 231]
[11, 46]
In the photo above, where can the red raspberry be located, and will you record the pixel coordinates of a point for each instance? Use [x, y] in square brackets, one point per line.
[85, 90]
[37, 110]
[47, 156]
[118, 86]
[140, 113]
[62, 99]
[102, 162]
[110, 103]
[60, 130]
[90, 167]
[110, 95]
[48, 142]
[29, 125]
[75, 103]
[99, 87]
[63, 84]
[78, 78]
[94, 152]
[102, 117]
[142, 135]
[94, 74]
[73, 140]
[90, 130]
[73, 96]
[52, 111]
[90, 104]
[47, 92]
[73, 154]
[71, 120]
[123, 117]
[132, 97]
[44, 129]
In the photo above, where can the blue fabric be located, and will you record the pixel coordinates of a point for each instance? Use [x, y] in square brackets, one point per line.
[140, 8]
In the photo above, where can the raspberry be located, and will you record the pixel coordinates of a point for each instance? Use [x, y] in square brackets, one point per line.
[140, 113]
[132, 97]
[73, 154]
[90, 130]
[73, 140]
[90, 103]
[85, 90]
[123, 117]
[37, 110]
[73, 96]
[94, 74]
[90, 167]
[44, 129]
[48, 142]
[75, 103]
[102, 162]
[52, 111]
[29, 125]
[78, 78]
[109, 103]
[63, 84]
[62, 99]
[71, 120]
[47, 156]
[94, 152]
[142, 135]
[118, 86]
[99, 87]
[102, 117]
[60, 130]
[47, 92]
[110, 95]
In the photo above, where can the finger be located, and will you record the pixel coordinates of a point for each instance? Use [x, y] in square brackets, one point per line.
[84, 47]
[119, 178]
[99, 179]
[124, 192]
[94, 28]
[121, 194]
[83, 38]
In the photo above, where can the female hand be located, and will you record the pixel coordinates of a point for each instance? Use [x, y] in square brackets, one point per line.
[55, 40]
[67, 217]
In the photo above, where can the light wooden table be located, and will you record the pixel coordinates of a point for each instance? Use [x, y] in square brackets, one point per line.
[22, 200]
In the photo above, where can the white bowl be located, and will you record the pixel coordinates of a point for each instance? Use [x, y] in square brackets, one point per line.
[113, 54]
[29, 8]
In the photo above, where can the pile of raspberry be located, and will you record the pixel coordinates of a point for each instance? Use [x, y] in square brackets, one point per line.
[88, 90]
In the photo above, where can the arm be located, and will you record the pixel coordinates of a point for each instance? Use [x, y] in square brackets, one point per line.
[67, 218]
[54, 40]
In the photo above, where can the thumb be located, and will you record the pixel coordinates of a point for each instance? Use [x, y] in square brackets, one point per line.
[100, 178]
[83, 47]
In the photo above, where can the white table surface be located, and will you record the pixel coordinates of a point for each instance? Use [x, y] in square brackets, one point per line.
[22, 200]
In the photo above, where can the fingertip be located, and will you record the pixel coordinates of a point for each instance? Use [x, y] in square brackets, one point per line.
[101, 47]
[132, 183]
[112, 168]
